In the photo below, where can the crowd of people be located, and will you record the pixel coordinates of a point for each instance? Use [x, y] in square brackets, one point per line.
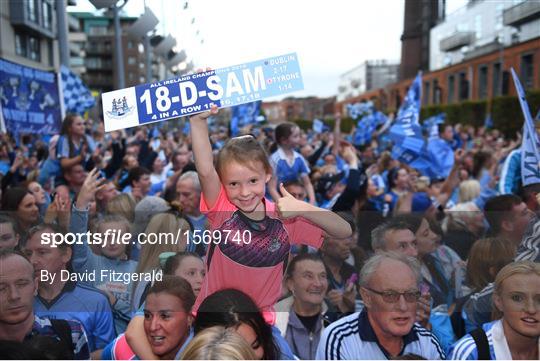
[281, 243]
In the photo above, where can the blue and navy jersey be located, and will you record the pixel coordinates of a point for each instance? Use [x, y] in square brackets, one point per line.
[466, 348]
[43, 327]
[353, 338]
[286, 171]
[85, 304]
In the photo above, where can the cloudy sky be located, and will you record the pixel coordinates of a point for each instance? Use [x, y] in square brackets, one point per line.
[330, 37]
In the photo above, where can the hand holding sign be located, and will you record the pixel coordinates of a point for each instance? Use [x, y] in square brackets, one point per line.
[195, 93]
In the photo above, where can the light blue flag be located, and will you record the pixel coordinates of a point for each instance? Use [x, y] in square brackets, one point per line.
[317, 126]
[406, 133]
[77, 97]
[243, 115]
[530, 160]
[359, 109]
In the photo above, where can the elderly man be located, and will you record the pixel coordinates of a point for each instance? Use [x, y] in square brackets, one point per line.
[386, 327]
[18, 285]
[188, 190]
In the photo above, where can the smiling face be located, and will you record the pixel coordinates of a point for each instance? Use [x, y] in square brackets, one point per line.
[519, 301]
[390, 319]
[245, 186]
[166, 324]
[309, 282]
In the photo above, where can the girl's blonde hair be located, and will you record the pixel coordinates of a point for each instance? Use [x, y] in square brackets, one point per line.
[512, 269]
[161, 224]
[487, 254]
[218, 343]
[122, 204]
[468, 190]
[244, 150]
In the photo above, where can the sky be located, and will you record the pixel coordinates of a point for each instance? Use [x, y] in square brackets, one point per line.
[330, 37]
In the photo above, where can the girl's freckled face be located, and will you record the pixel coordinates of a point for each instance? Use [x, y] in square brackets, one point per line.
[245, 186]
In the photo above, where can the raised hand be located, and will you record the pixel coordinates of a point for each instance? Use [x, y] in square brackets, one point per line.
[288, 206]
[91, 185]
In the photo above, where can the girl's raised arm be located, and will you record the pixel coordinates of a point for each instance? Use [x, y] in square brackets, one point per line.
[204, 160]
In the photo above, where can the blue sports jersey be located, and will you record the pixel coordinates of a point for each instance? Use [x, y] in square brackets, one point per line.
[286, 171]
[85, 304]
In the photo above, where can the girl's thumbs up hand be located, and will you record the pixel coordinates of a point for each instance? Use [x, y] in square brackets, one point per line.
[287, 205]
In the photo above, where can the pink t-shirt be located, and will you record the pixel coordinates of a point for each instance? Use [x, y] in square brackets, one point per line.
[255, 268]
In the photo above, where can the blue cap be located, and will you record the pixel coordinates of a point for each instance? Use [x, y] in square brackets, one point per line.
[421, 202]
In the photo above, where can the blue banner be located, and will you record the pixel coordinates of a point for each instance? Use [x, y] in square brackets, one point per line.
[195, 93]
[243, 115]
[530, 159]
[406, 133]
[29, 99]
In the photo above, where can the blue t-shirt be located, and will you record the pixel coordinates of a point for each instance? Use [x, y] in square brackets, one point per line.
[287, 171]
[85, 304]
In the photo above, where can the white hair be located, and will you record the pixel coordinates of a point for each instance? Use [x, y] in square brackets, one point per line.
[372, 264]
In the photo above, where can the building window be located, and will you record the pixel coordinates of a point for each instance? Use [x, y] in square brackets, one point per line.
[463, 87]
[131, 76]
[130, 44]
[47, 15]
[496, 84]
[20, 45]
[527, 71]
[97, 30]
[425, 100]
[34, 48]
[451, 88]
[28, 46]
[482, 81]
[50, 50]
[437, 96]
[31, 10]
[132, 60]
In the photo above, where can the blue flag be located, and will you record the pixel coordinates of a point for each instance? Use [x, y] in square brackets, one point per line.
[530, 159]
[431, 125]
[77, 97]
[318, 126]
[406, 133]
[359, 109]
[243, 115]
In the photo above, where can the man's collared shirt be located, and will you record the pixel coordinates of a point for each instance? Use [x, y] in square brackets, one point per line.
[353, 338]
[43, 327]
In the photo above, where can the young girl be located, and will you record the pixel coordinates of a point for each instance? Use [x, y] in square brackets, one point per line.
[288, 164]
[233, 199]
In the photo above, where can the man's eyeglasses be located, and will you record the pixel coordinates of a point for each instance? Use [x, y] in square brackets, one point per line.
[393, 296]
